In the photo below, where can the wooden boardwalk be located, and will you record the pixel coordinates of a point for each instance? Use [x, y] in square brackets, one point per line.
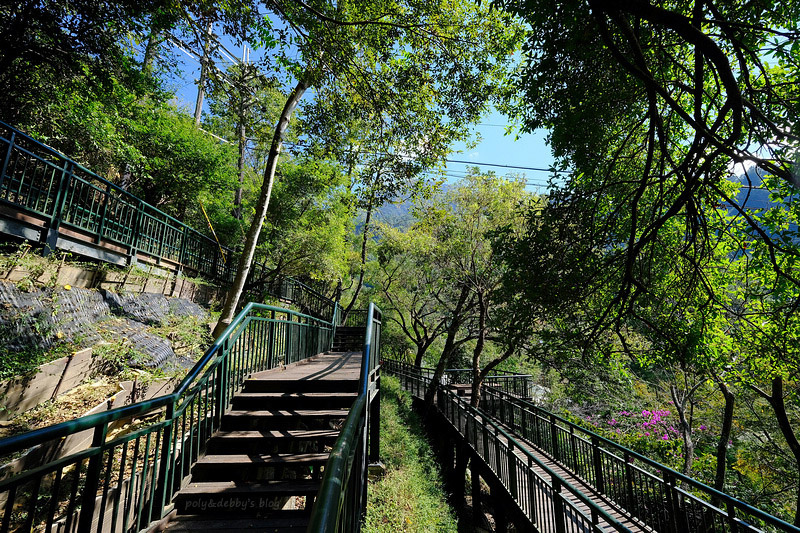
[609, 507]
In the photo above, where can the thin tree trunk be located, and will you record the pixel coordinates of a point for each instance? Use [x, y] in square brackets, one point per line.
[251, 239]
[237, 199]
[421, 349]
[449, 343]
[724, 437]
[201, 83]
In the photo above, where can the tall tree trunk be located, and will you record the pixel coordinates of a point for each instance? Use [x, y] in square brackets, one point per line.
[449, 344]
[477, 376]
[237, 198]
[151, 51]
[362, 268]
[251, 239]
[778, 404]
[422, 347]
[724, 436]
[201, 83]
[686, 428]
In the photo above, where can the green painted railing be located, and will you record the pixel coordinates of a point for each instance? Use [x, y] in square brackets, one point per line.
[342, 499]
[140, 453]
[548, 501]
[38, 182]
[652, 493]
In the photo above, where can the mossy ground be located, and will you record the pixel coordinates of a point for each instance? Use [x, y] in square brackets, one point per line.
[410, 497]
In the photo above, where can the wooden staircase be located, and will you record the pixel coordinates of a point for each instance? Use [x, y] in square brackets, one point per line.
[262, 470]
[349, 339]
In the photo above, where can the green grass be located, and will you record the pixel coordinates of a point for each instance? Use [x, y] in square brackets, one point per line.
[410, 497]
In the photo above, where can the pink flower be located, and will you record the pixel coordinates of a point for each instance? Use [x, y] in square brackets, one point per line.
[665, 437]
[703, 427]
[647, 434]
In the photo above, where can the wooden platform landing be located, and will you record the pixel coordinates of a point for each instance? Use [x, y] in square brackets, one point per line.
[333, 366]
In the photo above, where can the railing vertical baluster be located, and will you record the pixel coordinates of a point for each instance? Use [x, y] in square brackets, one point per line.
[103, 212]
[732, 517]
[554, 438]
[512, 470]
[164, 487]
[629, 483]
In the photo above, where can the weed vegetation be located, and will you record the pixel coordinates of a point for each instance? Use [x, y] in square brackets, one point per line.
[410, 497]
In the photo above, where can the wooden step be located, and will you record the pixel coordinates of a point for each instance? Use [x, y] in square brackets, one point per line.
[282, 419]
[271, 441]
[252, 499]
[283, 400]
[256, 467]
[285, 522]
[278, 384]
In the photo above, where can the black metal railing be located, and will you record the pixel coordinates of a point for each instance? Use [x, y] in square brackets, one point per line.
[307, 299]
[518, 384]
[356, 318]
[342, 499]
[550, 503]
[654, 494]
[125, 479]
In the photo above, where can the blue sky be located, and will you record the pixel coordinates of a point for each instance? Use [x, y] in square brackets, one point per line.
[495, 150]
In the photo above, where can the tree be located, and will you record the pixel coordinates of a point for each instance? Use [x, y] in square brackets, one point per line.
[650, 103]
[448, 254]
[420, 68]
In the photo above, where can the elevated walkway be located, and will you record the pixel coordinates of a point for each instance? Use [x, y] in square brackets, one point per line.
[263, 468]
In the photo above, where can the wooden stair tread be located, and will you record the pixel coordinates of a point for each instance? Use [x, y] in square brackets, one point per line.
[257, 459]
[296, 395]
[293, 434]
[306, 413]
[288, 486]
[271, 525]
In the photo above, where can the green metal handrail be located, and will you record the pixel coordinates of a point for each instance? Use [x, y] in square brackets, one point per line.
[342, 500]
[128, 478]
[39, 181]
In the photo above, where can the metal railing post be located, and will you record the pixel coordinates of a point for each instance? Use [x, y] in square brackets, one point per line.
[597, 462]
[89, 497]
[512, 470]
[103, 213]
[554, 437]
[51, 234]
[163, 488]
[7, 158]
[375, 426]
[558, 505]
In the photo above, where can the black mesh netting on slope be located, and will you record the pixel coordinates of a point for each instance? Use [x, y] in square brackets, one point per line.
[43, 317]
